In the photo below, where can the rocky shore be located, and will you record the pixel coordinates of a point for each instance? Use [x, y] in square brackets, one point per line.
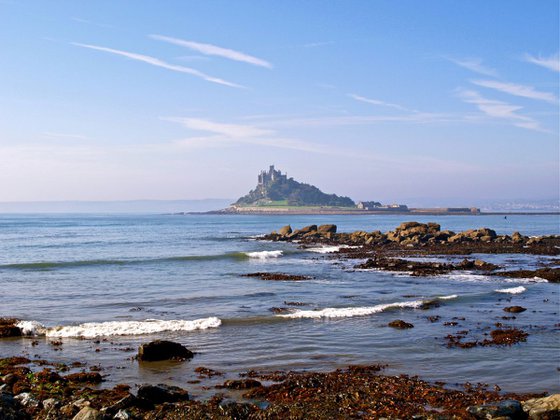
[381, 250]
[355, 392]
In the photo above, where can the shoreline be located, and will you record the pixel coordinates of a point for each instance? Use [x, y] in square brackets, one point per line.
[302, 212]
[356, 391]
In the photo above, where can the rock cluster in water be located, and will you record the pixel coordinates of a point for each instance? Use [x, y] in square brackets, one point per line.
[407, 233]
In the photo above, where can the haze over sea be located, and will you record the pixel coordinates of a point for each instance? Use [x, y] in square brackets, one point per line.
[134, 278]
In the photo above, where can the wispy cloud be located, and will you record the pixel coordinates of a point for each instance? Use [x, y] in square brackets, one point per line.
[551, 63]
[474, 64]
[317, 44]
[501, 110]
[517, 90]
[210, 49]
[159, 63]
[377, 102]
[236, 131]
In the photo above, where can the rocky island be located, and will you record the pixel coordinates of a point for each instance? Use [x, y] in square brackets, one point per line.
[275, 193]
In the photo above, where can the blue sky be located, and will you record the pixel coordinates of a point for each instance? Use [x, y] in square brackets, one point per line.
[378, 100]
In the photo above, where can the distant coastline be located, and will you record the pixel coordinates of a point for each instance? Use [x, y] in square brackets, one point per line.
[294, 211]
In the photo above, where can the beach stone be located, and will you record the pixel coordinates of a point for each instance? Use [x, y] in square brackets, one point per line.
[88, 413]
[501, 409]
[122, 415]
[26, 399]
[163, 350]
[50, 403]
[286, 230]
[326, 229]
[162, 393]
[515, 309]
[543, 408]
[400, 324]
[407, 225]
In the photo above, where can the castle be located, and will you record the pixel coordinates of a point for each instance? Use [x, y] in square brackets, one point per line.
[272, 175]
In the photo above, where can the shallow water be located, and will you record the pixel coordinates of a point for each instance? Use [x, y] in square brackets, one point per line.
[119, 272]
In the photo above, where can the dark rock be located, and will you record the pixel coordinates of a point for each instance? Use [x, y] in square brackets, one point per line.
[242, 384]
[509, 408]
[163, 350]
[400, 324]
[162, 393]
[8, 327]
[9, 407]
[515, 309]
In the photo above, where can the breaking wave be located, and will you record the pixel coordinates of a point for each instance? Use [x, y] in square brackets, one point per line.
[110, 328]
[512, 290]
[264, 255]
[351, 312]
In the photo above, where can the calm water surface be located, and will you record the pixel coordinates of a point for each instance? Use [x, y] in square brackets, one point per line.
[180, 278]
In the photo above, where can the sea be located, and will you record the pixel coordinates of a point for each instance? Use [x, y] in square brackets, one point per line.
[93, 287]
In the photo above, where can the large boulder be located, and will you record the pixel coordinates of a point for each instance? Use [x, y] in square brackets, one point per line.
[304, 230]
[326, 229]
[161, 393]
[163, 350]
[285, 231]
[88, 413]
[407, 225]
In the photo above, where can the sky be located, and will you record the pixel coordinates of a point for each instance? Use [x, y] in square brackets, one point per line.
[377, 100]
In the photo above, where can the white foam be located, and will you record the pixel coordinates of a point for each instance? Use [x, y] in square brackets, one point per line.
[351, 312]
[263, 255]
[512, 290]
[31, 327]
[329, 249]
[149, 326]
[450, 297]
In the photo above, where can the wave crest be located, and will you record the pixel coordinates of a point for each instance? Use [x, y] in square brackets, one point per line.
[110, 328]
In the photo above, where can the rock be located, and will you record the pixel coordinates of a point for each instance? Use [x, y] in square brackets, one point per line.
[326, 229]
[88, 413]
[517, 238]
[507, 408]
[285, 231]
[400, 324]
[50, 403]
[483, 265]
[125, 402]
[515, 309]
[27, 400]
[8, 407]
[122, 415]
[407, 225]
[163, 350]
[8, 327]
[434, 227]
[162, 393]
[304, 230]
[543, 408]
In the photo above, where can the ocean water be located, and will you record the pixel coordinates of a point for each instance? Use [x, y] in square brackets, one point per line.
[104, 284]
